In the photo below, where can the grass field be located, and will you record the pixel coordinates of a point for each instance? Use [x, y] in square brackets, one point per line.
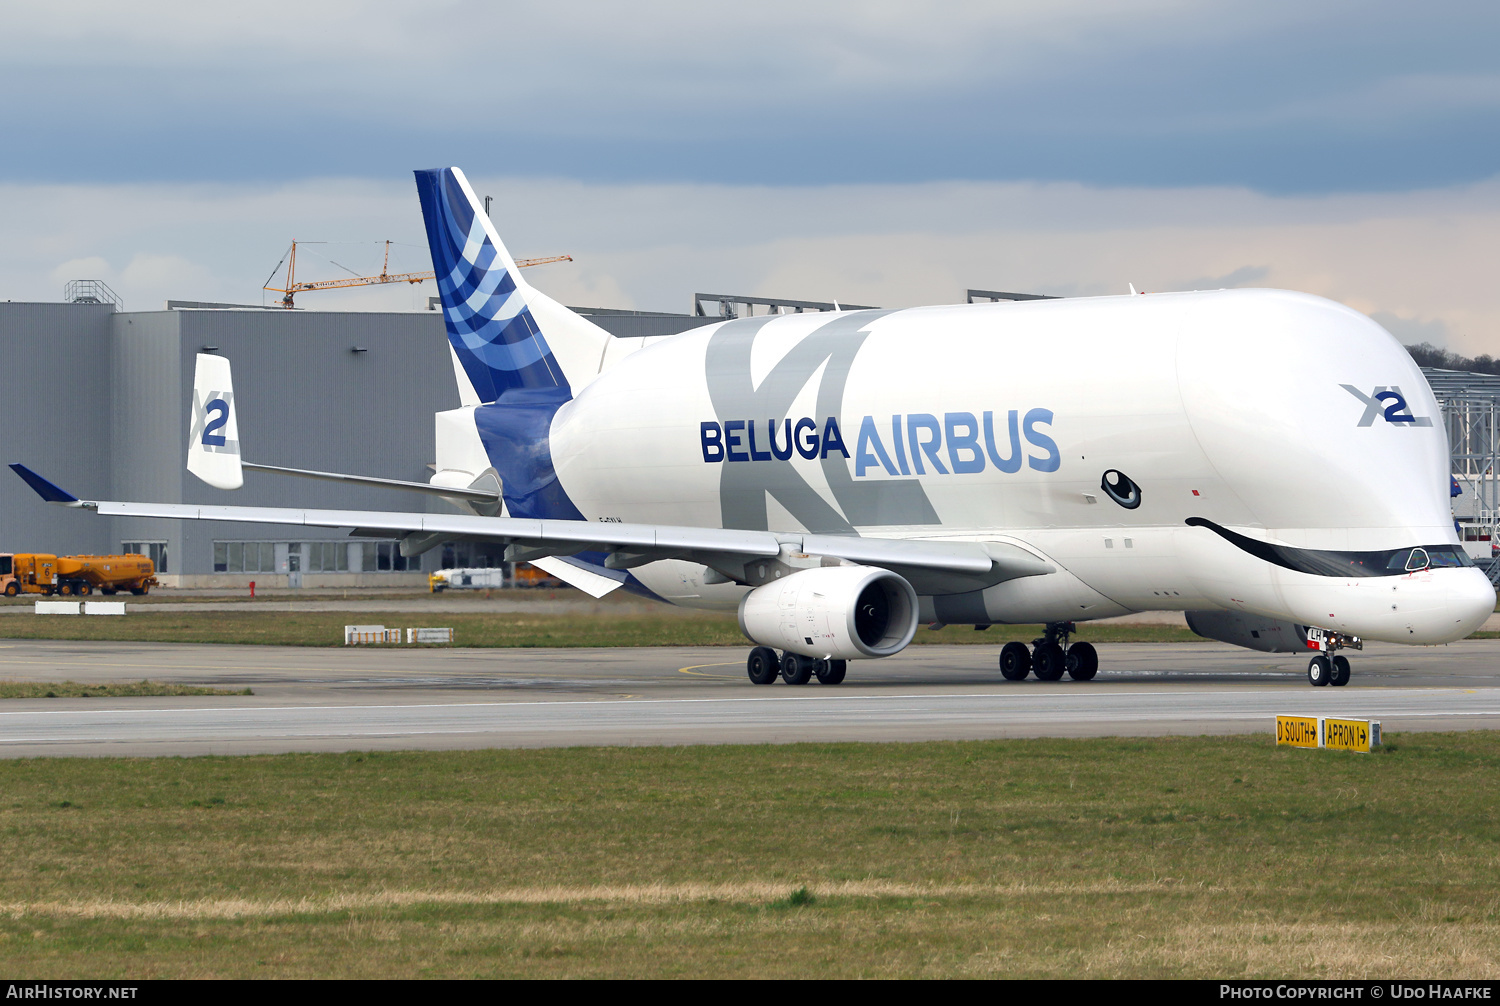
[497, 629]
[1221, 857]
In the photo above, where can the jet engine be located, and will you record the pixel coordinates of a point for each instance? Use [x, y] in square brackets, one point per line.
[1253, 632]
[837, 612]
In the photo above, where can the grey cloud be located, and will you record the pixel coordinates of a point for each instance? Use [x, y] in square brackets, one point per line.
[1414, 331]
[1412, 259]
[1245, 275]
[1274, 96]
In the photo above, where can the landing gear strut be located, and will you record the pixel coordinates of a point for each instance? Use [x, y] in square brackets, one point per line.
[1050, 656]
[1328, 667]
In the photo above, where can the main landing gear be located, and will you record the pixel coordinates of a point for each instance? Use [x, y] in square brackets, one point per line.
[1328, 668]
[1050, 657]
[764, 666]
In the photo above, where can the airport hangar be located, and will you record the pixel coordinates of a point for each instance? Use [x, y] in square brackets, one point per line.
[100, 400]
[102, 409]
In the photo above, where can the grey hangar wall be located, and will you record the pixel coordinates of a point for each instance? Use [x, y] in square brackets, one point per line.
[99, 404]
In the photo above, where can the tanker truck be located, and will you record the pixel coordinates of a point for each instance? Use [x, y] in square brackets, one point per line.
[81, 575]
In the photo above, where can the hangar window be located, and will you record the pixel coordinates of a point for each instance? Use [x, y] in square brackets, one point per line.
[472, 554]
[156, 551]
[327, 556]
[385, 556]
[244, 557]
[316, 556]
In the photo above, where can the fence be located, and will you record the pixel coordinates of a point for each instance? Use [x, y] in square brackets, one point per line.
[80, 607]
[357, 634]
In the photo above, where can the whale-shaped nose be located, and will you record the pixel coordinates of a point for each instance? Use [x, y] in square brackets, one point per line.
[1471, 600]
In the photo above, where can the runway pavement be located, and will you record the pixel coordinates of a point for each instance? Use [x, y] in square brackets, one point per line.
[344, 699]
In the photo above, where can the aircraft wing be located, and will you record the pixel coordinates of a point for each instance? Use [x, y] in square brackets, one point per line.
[747, 557]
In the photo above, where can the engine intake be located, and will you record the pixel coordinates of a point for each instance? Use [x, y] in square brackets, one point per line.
[838, 612]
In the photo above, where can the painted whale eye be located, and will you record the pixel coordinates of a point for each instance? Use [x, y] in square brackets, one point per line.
[1121, 488]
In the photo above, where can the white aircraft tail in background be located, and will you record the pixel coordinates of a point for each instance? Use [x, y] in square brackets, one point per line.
[213, 452]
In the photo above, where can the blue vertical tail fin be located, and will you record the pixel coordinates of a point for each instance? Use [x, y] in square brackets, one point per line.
[504, 334]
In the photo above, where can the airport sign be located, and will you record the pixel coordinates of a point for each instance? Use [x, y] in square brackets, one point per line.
[1298, 731]
[1328, 732]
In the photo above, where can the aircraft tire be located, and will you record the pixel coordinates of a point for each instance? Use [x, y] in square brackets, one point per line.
[1015, 661]
[831, 672]
[796, 669]
[1082, 662]
[1339, 677]
[1318, 671]
[1048, 662]
[763, 665]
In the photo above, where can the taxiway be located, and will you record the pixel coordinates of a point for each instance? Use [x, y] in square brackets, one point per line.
[362, 698]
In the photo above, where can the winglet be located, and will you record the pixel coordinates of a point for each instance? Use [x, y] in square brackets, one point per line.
[46, 490]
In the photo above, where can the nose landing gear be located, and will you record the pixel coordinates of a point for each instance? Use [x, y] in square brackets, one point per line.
[1050, 657]
[1328, 667]
[1340, 674]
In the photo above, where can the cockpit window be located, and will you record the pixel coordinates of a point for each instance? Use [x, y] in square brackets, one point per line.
[1320, 562]
[1410, 560]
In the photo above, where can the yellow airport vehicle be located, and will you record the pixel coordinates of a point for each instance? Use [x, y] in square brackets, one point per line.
[80, 575]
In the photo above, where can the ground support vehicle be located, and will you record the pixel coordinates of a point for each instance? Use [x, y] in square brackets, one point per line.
[467, 579]
[75, 575]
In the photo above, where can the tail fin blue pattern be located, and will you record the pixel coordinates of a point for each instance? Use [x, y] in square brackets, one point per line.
[490, 327]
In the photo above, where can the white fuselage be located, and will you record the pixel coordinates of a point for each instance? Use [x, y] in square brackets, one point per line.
[1229, 406]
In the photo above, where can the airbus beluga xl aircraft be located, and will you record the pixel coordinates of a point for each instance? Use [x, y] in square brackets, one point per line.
[1268, 462]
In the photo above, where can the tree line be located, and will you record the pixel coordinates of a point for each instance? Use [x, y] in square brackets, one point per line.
[1428, 355]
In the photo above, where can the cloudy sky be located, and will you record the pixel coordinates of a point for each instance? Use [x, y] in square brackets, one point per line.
[880, 153]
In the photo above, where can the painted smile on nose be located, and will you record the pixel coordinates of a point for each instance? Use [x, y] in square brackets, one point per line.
[1320, 562]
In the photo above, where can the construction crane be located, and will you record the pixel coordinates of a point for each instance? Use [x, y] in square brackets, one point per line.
[292, 287]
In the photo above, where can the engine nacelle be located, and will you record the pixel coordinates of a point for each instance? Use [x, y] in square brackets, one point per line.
[838, 612]
[1254, 632]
